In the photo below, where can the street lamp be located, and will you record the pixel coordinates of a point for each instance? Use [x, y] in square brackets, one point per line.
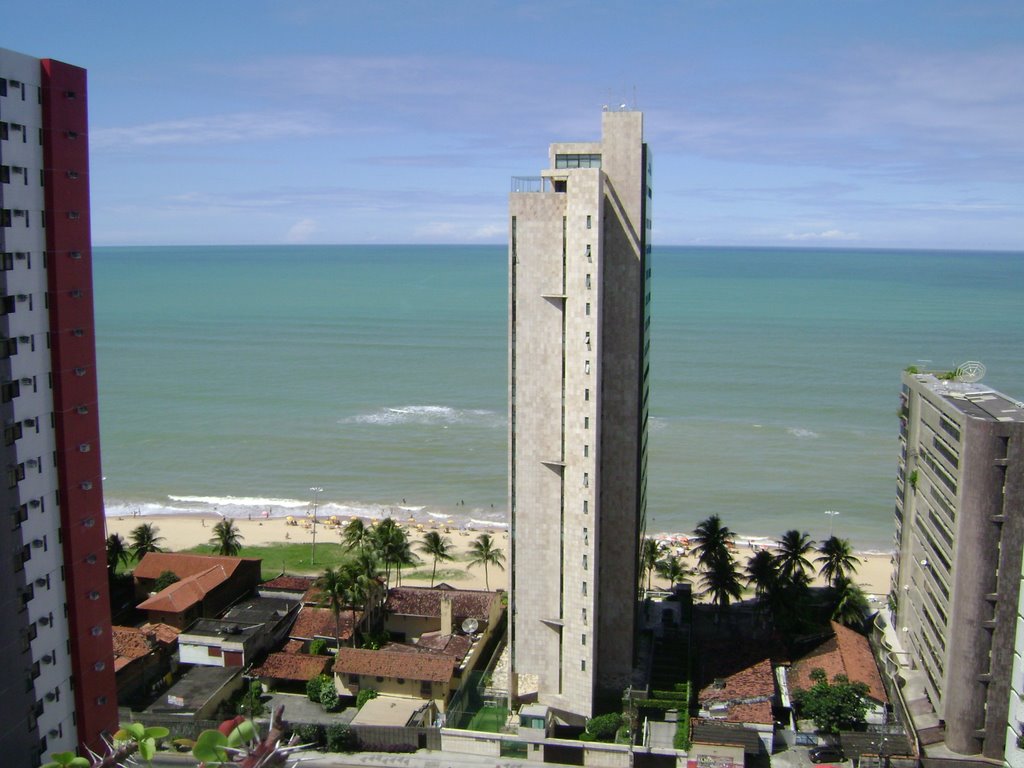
[316, 490]
[831, 520]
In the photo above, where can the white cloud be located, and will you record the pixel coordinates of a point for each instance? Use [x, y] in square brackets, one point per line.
[211, 129]
[827, 235]
[301, 231]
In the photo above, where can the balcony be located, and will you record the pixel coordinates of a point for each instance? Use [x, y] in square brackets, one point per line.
[537, 184]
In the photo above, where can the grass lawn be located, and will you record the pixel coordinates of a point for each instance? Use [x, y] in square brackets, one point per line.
[490, 719]
[293, 559]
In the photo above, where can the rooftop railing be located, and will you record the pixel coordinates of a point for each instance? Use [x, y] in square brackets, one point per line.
[532, 184]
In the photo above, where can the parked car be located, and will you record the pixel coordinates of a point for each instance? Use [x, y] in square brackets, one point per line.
[826, 754]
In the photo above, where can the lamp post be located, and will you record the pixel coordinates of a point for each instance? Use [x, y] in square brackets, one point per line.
[316, 490]
[832, 514]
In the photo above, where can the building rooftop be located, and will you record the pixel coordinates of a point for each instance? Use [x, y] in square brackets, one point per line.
[389, 710]
[194, 689]
[430, 667]
[845, 653]
[184, 565]
[319, 622]
[742, 696]
[974, 398]
[291, 666]
[183, 594]
[219, 628]
[426, 601]
[260, 609]
[131, 643]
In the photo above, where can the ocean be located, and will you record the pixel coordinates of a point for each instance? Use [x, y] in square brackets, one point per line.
[235, 379]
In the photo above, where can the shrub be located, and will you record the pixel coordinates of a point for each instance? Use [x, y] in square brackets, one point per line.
[329, 697]
[310, 733]
[315, 685]
[164, 580]
[316, 648]
[340, 738]
[364, 696]
[682, 738]
[603, 727]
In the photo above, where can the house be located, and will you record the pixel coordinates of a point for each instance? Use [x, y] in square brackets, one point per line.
[413, 611]
[207, 585]
[737, 695]
[313, 622]
[845, 652]
[243, 633]
[300, 588]
[396, 670]
[289, 672]
[199, 693]
[142, 657]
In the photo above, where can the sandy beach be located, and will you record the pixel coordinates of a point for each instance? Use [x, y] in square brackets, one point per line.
[180, 532]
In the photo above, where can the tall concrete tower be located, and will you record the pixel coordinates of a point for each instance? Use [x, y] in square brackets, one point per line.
[579, 320]
[56, 652]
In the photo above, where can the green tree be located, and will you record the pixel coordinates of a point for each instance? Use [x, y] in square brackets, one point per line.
[438, 547]
[227, 540]
[144, 538]
[117, 553]
[721, 581]
[356, 535]
[839, 705]
[390, 542]
[762, 573]
[404, 556]
[482, 551]
[792, 556]
[711, 542]
[849, 603]
[837, 560]
[335, 585]
[164, 580]
[672, 569]
[650, 553]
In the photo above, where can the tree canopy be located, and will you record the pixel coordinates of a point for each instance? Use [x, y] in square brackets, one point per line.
[836, 706]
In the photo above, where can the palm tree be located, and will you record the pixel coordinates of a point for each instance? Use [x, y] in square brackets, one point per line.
[792, 556]
[672, 569]
[404, 556]
[227, 540]
[650, 553]
[144, 539]
[722, 581]
[762, 573]
[483, 552]
[389, 542]
[117, 553]
[837, 560]
[438, 547]
[850, 603]
[334, 584]
[356, 535]
[712, 542]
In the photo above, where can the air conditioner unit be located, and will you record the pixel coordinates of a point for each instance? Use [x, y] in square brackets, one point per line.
[84, 448]
[79, 371]
[75, 254]
[32, 462]
[30, 422]
[96, 631]
[40, 582]
[22, 297]
[90, 559]
[24, 339]
[86, 486]
[82, 410]
[44, 620]
[34, 503]
[37, 543]
[49, 696]
[26, 380]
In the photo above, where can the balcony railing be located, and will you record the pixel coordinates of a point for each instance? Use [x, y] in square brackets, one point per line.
[532, 184]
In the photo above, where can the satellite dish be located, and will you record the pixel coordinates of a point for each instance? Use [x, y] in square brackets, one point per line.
[971, 371]
[469, 626]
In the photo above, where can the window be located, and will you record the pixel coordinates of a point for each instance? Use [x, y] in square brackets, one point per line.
[583, 639]
[584, 589]
[7, 305]
[586, 566]
[586, 366]
[586, 422]
[12, 433]
[425, 689]
[5, 174]
[583, 665]
[584, 615]
[6, 261]
[586, 451]
[588, 280]
[586, 479]
[586, 394]
[588, 309]
[588, 222]
[586, 506]
[8, 348]
[588, 252]
[578, 161]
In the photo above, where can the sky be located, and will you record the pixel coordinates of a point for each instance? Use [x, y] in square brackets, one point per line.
[840, 123]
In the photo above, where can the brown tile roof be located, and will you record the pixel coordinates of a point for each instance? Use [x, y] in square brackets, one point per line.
[456, 646]
[319, 622]
[130, 643]
[745, 694]
[432, 667]
[289, 583]
[424, 601]
[162, 633]
[293, 646]
[848, 653]
[182, 595]
[291, 666]
[183, 565]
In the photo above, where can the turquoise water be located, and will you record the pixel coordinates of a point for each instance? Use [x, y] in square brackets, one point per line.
[240, 377]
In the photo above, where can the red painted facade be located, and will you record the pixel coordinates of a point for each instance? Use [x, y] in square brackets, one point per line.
[73, 365]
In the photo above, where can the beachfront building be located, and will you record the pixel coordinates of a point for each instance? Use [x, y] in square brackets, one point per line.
[578, 379]
[54, 603]
[959, 533]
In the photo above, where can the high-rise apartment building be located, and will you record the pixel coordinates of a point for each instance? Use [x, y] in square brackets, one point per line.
[579, 304]
[56, 654]
[959, 534]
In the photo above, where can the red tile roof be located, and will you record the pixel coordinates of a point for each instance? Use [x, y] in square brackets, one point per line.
[182, 595]
[848, 653]
[184, 565]
[424, 601]
[456, 646]
[129, 644]
[289, 583]
[431, 667]
[292, 666]
[162, 633]
[319, 622]
[746, 694]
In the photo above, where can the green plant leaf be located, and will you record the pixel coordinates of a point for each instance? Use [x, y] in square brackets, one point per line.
[157, 732]
[132, 731]
[63, 758]
[243, 733]
[79, 762]
[147, 748]
[209, 747]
